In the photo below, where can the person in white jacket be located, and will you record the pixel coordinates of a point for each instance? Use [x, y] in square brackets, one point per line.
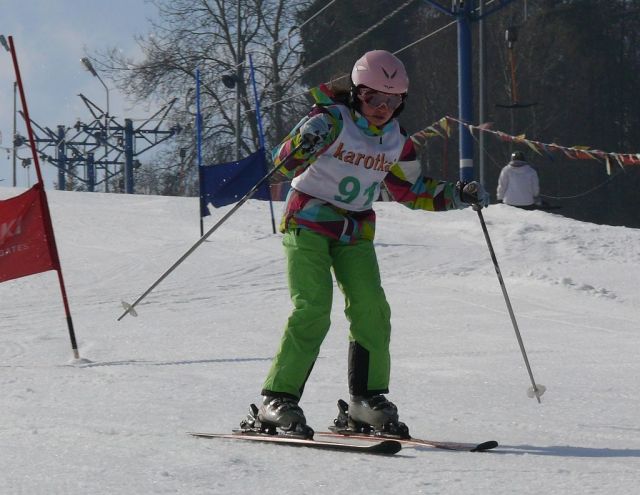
[518, 184]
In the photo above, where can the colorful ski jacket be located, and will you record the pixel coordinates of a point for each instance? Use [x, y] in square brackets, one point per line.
[333, 189]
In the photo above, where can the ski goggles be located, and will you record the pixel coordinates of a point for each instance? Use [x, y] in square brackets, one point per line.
[376, 98]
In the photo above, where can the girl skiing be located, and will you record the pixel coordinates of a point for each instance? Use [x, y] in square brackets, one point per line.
[338, 156]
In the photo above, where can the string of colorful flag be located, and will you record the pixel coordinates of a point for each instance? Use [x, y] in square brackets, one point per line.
[444, 128]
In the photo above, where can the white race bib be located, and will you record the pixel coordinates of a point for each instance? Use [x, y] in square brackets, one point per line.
[348, 174]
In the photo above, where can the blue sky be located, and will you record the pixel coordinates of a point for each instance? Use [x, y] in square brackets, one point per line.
[51, 36]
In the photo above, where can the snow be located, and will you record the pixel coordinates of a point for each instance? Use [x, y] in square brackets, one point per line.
[116, 421]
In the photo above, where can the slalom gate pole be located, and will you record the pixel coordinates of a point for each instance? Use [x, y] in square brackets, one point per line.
[46, 214]
[536, 390]
[129, 308]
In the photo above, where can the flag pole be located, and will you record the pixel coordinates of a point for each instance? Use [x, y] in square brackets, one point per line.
[53, 250]
[261, 136]
[199, 147]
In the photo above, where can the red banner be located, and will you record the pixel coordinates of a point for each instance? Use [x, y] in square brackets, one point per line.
[24, 244]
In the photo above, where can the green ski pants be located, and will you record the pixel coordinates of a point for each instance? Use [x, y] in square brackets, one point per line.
[310, 257]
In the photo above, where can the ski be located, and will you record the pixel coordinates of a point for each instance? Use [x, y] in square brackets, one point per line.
[370, 446]
[413, 442]
[344, 426]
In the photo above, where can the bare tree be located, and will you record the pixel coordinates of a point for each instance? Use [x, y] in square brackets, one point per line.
[217, 37]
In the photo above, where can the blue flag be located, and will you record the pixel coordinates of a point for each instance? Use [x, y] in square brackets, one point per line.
[227, 183]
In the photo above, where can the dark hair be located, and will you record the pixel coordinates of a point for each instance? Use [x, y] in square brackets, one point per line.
[340, 87]
[518, 155]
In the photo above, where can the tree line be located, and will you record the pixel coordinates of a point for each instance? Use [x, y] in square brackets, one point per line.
[557, 71]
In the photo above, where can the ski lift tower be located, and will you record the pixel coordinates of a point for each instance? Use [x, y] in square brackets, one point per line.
[101, 143]
[465, 12]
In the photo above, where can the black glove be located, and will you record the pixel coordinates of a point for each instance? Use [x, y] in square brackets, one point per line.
[314, 133]
[473, 193]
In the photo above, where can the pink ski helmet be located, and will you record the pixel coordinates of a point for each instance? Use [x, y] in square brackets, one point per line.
[382, 71]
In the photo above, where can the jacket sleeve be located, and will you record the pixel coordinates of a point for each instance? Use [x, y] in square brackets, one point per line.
[291, 165]
[503, 181]
[409, 187]
[536, 184]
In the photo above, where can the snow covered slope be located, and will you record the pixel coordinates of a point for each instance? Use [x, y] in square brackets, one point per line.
[197, 354]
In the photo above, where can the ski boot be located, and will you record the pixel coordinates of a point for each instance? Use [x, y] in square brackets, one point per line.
[277, 413]
[370, 416]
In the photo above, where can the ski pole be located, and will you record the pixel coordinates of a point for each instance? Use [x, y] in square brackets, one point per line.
[130, 308]
[536, 389]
